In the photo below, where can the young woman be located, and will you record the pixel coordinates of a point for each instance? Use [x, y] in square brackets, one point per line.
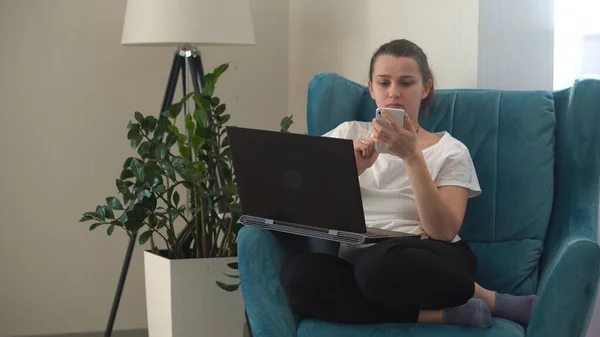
[421, 188]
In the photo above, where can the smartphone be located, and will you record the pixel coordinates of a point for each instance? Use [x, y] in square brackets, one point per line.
[397, 115]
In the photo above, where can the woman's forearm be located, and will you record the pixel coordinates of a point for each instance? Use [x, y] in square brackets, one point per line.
[437, 220]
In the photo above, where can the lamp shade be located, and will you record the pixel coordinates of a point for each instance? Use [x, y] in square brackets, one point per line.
[180, 22]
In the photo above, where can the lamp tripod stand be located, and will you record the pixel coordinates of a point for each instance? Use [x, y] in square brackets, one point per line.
[184, 55]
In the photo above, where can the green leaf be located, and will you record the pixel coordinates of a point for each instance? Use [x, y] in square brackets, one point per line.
[197, 142]
[161, 127]
[149, 123]
[215, 101]
[145, 149]
[202, 102]
[160, 189]
[200, 116]
[225, 142]
[94, 226]
[220, 109]
[178, 162]
[209, 84]
[232, 276]
[228, 287]
[126, 174]
[235, 208]
[122, 187]
[233, 265]
[286, 122]
[135, 142]
[175, 110]
[152, 174]
[160, 151]
[173, 129]
[176, 198]
[218, 71]
[139, 117]
[134, 132]
[145, 237]
[189, 124]
[110, 230]
[185, 150]
[86, 218]
[169, 172]
[171, 140]
[225, 118]
[197, 178]
[230, 189]
[134, 217]
[162, 223]
[100, 213]
[114, 203]
[128, 162]
[187, 96]
[138, 170]
[108, 212]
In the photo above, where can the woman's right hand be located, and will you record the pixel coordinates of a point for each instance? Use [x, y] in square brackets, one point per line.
[364, 153]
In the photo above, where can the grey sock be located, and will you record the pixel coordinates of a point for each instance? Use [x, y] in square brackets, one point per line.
[473, 313]
[515, 308]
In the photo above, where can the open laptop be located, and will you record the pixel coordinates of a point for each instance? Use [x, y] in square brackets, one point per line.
[300, 184]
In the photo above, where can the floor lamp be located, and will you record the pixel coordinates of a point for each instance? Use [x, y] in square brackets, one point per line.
[182, 24]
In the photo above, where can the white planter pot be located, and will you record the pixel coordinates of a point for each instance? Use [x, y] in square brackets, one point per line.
[182, 298]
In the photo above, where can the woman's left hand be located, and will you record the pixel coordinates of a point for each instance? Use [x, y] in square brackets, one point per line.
[400, 140]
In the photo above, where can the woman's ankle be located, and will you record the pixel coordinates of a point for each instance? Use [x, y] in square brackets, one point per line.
[430, 316]
[488, 296]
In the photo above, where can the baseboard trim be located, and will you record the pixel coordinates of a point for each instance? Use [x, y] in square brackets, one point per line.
[117, 333]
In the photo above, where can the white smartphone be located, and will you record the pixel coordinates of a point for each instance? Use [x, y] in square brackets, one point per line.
[397, 114]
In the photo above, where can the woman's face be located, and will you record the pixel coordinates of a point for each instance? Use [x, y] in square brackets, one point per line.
[397, 83]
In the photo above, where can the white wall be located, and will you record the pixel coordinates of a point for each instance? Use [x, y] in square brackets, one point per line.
[341, 35]
[67, 91]
[516, 44]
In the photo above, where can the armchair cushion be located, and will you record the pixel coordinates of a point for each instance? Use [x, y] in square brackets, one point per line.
[510, 266]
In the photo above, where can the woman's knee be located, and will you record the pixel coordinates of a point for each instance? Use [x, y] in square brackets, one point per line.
[302, 273]
[378, 275]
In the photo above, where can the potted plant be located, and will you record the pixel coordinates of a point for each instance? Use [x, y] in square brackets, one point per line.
[180, 195]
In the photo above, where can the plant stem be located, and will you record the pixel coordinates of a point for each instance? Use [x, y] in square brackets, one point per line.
[159, 233]
[201, 228]
[172, 206]
[225, 241]
[196, 230]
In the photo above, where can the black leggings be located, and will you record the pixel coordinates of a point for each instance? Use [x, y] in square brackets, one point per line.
[391, 282]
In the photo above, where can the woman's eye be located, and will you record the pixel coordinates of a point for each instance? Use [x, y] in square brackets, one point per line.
[405, 84]
[383, 83]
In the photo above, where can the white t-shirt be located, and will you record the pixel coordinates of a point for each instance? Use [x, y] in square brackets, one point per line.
[388, 198]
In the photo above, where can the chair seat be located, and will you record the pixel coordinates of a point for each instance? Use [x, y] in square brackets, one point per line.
[314, 328]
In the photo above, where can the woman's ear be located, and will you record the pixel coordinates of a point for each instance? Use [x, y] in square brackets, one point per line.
[427, 89]
[370, 85]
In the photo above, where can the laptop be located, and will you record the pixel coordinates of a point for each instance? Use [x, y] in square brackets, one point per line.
[300, 184]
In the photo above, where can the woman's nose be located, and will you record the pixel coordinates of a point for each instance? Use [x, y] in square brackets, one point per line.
[394, 91]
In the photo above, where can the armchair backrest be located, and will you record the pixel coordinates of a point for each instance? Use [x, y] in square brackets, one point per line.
[512, 138]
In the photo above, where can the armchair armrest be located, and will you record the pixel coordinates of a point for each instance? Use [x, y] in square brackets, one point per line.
[568, 287]
[261, 255]
[571, 261]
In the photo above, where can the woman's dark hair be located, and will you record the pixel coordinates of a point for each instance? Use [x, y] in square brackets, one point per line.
[406, 48]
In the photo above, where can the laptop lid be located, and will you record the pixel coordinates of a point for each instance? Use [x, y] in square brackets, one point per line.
[295, 178]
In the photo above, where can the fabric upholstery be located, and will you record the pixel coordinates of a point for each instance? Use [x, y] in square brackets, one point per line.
[534, 228]
[500, 328]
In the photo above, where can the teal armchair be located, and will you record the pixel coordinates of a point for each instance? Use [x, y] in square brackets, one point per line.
[534, 228]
